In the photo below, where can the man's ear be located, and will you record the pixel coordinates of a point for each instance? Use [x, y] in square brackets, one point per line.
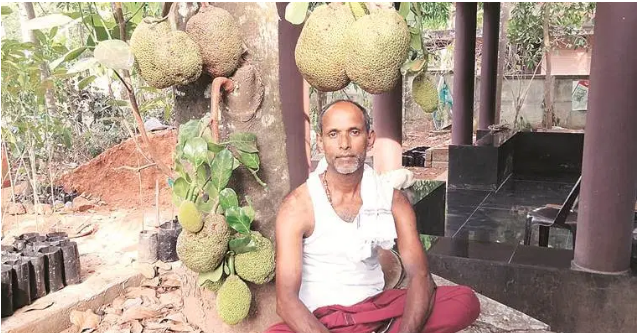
[371, 139]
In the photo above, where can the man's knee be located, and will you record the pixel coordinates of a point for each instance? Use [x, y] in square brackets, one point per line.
[469, 299]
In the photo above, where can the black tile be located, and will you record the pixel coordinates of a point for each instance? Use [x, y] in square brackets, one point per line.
[494, 225]
[473, 167]
[524, 195]
[542, 256]
[550, 177]
[548, 153]
[465, 198]
[456, 247]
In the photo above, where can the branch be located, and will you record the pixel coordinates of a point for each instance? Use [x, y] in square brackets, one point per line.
[138, 169]
[119, 18]
[215, 98]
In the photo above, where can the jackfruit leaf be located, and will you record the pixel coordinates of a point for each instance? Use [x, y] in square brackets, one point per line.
[249, 160]
[212, 276]
[415, 65]
[86, 81]
[228, 198]
[179, 168]
[71, 55]
[6, 10]
[416, 42]
[403, 10]
[242, 244]
[204, 206]
[47, 22]
[238, 220]
[295, 12]
[246, 142]
[114, 54]
[180, 187]
[221, 169]
[213, 193]
[226, 269]
[215, 148]
[236, 163]
[249, 212]
[203, 173]
[196, 150]
[82, 65]
[176, 199]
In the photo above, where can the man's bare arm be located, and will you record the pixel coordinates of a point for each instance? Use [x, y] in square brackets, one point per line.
[291, 224]
[417, 306]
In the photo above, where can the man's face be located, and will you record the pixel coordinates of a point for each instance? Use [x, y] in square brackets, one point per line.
[345, 140]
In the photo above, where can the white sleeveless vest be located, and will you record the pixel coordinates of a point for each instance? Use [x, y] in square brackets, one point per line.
[332, 274]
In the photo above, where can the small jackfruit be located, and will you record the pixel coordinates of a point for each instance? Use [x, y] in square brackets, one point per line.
[424, 93]
[377, 46]
[233, 300]
[189, 217]
[320, 49]
[204, 251]
[164, 57]
[219, 39]
[256, 266]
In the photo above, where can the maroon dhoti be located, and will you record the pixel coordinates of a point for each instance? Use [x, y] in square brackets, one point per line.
[455, 307]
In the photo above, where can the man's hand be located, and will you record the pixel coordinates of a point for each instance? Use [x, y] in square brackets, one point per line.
[421, 288]
[291, 225]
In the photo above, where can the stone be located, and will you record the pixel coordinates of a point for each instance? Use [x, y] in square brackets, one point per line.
[82, 204]
[16, 208]
[43, 209]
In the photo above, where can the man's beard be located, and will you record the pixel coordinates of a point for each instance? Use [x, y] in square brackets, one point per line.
[349, 165]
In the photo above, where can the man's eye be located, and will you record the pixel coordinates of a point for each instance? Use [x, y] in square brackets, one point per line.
[332, 134]
[356, 132]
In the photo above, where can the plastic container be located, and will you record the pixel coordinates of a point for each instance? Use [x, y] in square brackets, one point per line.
[71, 258]
[147, 246]
[21, 284]
[37, 274]
[7, 290]
[167, 241]
[53, 262]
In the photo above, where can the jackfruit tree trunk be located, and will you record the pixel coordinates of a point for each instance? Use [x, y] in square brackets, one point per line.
[548, 78]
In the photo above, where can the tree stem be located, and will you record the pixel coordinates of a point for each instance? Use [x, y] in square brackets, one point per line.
[217, 84]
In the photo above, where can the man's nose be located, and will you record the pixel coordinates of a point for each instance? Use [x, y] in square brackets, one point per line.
[344, 142]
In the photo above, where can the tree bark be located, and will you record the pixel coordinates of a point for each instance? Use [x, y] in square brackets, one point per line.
[502, 53]
[547, 121]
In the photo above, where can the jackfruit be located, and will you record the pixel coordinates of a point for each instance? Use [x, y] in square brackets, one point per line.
[233, 300]
[319, 52]
[204, 251]
[377, 46]
[424, 93]
[164, 57]
[256, 266]
[219, 39]
[213, 286]
[189, 217]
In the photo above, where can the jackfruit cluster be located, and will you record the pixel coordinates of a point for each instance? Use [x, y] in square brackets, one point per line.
[256, 266]
[205, 250]
[218, 37]
[233, 300]
[425, 93]
[164, 57]
[342, 43]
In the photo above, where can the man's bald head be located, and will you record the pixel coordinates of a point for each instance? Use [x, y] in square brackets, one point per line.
[368, 120]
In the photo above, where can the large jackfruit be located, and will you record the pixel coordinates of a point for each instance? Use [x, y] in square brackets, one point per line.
[164, 57]
[219, 39]
[319, 52]
[256, 266]
[377, 46]
[233, 300]
[424, 93]
[204, 251]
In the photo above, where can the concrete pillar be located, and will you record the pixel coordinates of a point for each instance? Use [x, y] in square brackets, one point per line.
[388, 125]
[292, 108]
[609, 175]
[464, 73]
[489, 70]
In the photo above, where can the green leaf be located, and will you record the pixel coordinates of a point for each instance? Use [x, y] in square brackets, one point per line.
[212, 192]
[249, 160]
[47, 22]
[236, 163]
[71, 55]
[68, 139]
[415, 65]
[180, 187]
[403, 10]
[117, 102]
[6, 10]
[203, 172]
[114, 54]
[416, 42]
[228, 198]
[221, 169]
[196, 150]
[187, 131]
[242, 244]
[295, 12]
[238, 220]
[215, 148]
[86, 81]
[203, 205]
[212, 276]
[246, 142]
[83, 65]
[249, 212]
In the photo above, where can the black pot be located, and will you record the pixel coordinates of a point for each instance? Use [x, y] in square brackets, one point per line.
[408, 160]
[58, 241]
[8, 249]
[419, 159]
[9, 258]
[147, 246]
[37, 274]
[28, 235]
[167, 241]
[20, 244]
[36, 239]
[21, 284]
[71, 258]
[7, 290]
[54, 267]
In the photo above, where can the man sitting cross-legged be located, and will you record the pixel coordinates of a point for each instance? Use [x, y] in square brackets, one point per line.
[328, 231]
